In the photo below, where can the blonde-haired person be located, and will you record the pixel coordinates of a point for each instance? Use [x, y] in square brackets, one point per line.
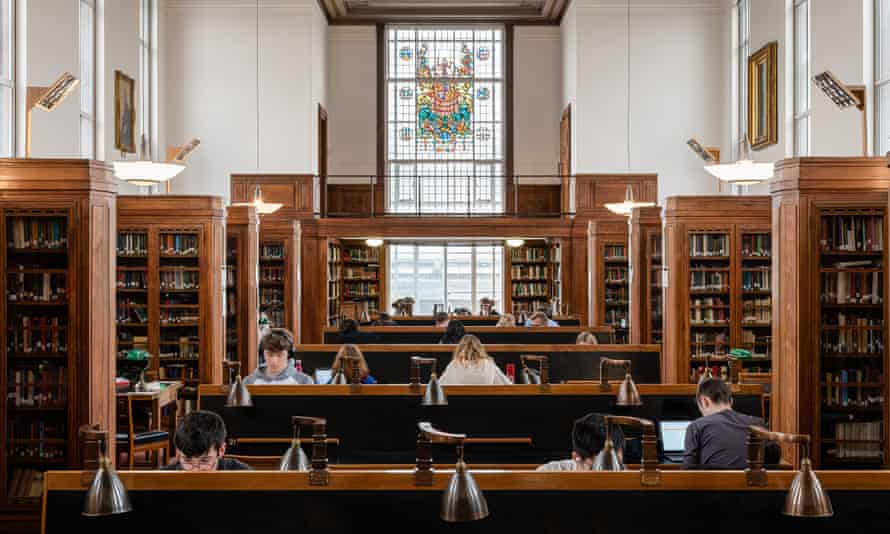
[507, 320]
[586, 338]
[348, 356]
[470, 364]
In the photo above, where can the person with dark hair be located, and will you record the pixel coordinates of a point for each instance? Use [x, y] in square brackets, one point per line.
[540, 318]
[588, 439]
[277, 368]
[441, 320]
[719, 439]
[349, 356]
[200, 442]
[349, 331]
[383, 320]
[453, 333]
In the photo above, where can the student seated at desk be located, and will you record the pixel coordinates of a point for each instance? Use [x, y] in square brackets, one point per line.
[586, 338]
[349, 356]
[470, 364]
[588, 439]
[507, 320]
[539, 318]
[441, 320]
[200, 442]
[276, 345]
[453, 333]
[719, 439]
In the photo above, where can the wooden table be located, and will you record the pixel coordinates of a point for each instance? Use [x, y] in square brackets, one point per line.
[166, 396]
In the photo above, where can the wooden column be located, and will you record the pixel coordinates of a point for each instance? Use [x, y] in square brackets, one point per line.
[242, 224]
[314, 271]
[644, 223]
[800, 189]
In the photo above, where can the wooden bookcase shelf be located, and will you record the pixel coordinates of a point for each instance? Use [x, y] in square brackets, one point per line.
[361, 272]
[56, 351]
[279, 274]
[533, 279]
[718, 254]
[334, 262]
[646, 299]
[175, 248]
[610, 276]
[242, 276]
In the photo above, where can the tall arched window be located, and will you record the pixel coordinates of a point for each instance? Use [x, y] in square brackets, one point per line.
[882, 77]
[7, 77]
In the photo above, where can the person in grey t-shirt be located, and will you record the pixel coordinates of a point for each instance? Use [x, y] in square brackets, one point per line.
[588, 439]
[719, 439]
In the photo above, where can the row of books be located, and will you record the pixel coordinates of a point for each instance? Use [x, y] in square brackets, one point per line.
[39, 386]
[333, 272]
[131, 280]
[616, 274]
[231, 305]
[37, 232]
[360, 273]
[361, 254]
[272, 274]
[333, 253]
[717, 371]
[529, 254]
[531, 289]
[275, 316]
[616, 318]
[852, 233]
[187, 348]
[37, 287]
[844, 387]
[179, 279]
[615, 251]
[704, 245]
[760, 342]
[852, 288]
[360, 289]
[617, 295]
[38, 334]
[179, 316]
[756, 280]
[708, 280]
[708, 302]
[852, 341]
[850, 319]
[759, 310]
[173, 371]
[708, 315]
[271, 296]
[864, 440]
[131, 311]
[272, 251]
[130, 244]
[231, 277]
[756, 245]
[26, 428]
[528, 306]
[25, 483]
[179, 244]
[530, 271]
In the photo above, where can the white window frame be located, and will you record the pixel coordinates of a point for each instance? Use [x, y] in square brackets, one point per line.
[882, 82]
[743, 50]
[147, 24]
[7, 79]
[87, 78]
[802, 118]
[497, 285]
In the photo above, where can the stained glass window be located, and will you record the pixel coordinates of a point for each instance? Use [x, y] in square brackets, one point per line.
[445, 119]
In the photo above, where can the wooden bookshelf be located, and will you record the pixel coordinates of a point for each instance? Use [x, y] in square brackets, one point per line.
[610, 282]
[644, 248]
[362, 280]
[708, 253]
[242, 279]
[813, 198]
[555, 259]
[334, 263]
[279, 282]
[183, 327]
[531, 277]
[57, 251]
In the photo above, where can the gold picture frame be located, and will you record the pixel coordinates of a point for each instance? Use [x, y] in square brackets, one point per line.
[124, 113]
[763, 88]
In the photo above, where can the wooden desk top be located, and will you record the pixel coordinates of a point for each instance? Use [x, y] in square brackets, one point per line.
[166, 394]
[482, 329]
[529, 349]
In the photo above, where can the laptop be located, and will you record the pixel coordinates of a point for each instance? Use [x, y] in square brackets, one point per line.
[323, 376]
[673, 439]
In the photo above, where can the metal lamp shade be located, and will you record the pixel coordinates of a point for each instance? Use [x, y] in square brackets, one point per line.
[628, 394]
[434, 395]
[530, 376]
[238, 397]
[806, 498]
[607, 459]
[340, 378]
[107, 494]
[463, 500]
[294, 459]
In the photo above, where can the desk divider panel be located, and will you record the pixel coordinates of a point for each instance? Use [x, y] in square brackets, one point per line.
[416, 335]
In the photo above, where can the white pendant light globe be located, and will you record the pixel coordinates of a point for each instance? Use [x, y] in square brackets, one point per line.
[146, 173]
[744, 171]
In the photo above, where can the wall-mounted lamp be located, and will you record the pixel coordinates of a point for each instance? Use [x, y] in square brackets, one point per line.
[530, 376]
[805, 498]
[844, 96]
[47, 99]
[107, 494]
[238, 396]
[609, 461]
[624, 208]
[294, 459]
[434, 394]
[463, 500]
[628, 394]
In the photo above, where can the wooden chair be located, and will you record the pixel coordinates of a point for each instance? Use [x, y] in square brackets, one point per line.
[765, 380]
[134, 440]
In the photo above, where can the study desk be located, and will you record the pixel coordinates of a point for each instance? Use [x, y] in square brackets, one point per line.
[519, 335]
[702, 502]
[159, 399]
[472, 320]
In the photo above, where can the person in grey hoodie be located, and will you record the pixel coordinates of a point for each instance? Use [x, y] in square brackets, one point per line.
[278, 369]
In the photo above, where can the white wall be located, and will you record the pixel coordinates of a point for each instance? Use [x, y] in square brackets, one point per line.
[569, 35]
[121, 52]
[767, 25]
[53, 48]
[245, 78]
[638, 119]
[352, 100]
[537, 86]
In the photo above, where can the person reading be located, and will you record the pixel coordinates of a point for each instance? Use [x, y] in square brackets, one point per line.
[539, 318]
[347, 358]
[470, 364]
[277, 369]
[586, 338]
[719, 439]
[453, 333]
[200, 442]
[441, 320]
[588, 439]
[507, 320]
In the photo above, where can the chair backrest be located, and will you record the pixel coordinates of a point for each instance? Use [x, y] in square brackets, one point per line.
[764, 379]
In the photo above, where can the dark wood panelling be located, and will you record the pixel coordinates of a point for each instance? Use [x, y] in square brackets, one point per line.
[539, 199]
[293, 191]
[594, 191]
[346, 199]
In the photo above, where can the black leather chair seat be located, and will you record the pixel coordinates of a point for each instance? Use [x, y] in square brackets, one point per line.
[144, 438]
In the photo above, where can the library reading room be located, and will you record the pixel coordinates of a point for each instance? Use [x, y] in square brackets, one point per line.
[425, 264]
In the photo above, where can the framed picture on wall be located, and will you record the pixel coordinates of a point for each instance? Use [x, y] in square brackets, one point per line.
[762, 97]
[124, 113]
